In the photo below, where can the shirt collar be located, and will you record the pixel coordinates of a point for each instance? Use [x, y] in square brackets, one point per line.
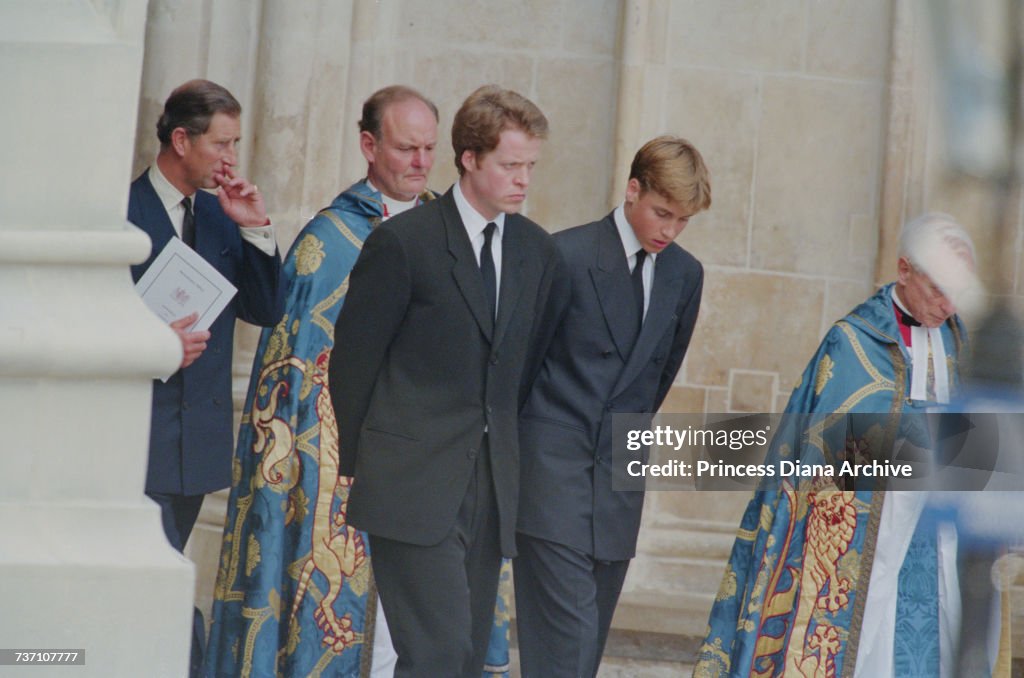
[170, 197]
[899, 302]
[394, 207]
[473, 220]
[630, 243]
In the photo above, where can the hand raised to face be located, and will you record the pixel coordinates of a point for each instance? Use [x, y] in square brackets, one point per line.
[240, 200]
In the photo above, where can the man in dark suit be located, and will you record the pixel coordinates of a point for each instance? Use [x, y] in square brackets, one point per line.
[190, 438]
[430, 349]
[619, 341]
[190, 434]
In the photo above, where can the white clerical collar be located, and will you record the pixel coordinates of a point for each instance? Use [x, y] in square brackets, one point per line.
[170, 197]
[921, 338]
[391, 205]
[630, 243]
[899, 302]
[474, 222]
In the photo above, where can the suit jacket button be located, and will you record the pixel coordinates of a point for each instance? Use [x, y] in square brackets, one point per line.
[606, 354]
[471, 454]
[494, 360]
[609, 407]
[657, 361]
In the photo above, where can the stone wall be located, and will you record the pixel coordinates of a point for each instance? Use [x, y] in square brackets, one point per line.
[816, 118]
[785, 99]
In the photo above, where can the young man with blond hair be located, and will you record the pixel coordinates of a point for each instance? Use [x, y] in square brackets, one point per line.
[432, 342]
[622, 332]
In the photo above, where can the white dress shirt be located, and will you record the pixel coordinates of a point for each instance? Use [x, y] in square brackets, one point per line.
[392, 207]
[475, 225]
[170, 197]
[631, 245]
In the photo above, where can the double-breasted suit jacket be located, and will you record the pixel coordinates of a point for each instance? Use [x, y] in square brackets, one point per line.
[191, 432]
[597, 364]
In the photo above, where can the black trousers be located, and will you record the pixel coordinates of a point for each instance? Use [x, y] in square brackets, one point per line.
[179, 514]
[439, 600]
[564, 605]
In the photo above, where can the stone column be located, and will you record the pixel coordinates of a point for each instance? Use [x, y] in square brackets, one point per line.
[908, 92]
[83, 559]
[294, 129]
[299, 102]
[639, 108]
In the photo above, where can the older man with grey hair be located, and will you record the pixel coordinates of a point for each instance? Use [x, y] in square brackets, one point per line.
[287, 544]
[836, 576]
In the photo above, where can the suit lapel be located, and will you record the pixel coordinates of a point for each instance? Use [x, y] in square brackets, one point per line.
[610, 275]
[155, 216]
[668, 279]
[201, 206]
[465, 270]
[512, 263]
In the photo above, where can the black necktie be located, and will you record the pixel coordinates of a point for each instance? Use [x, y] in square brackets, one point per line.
[188, 224]
[487, 270]
[907, 319]
[638, 285]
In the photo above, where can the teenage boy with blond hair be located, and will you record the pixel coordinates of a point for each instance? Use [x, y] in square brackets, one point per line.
[621, 336]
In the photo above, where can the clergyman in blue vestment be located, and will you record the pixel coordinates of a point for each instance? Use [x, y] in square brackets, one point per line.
[295, 594]
[826, 579]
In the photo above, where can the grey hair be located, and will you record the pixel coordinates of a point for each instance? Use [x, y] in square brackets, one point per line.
[940, 248]
[917, 234]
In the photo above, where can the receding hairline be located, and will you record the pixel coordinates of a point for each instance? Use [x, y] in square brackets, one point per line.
[377, 105]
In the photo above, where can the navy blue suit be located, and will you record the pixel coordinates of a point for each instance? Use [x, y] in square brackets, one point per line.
[191, 433]
[576, 533]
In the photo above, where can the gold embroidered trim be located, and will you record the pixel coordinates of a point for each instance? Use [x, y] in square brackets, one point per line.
[317, 312]
[824, 374]
[342, 228]
[227, 593]
[369, 627]
[860, 353]
[891, 339]
[309, 255]
[867, 557]
[875, 516]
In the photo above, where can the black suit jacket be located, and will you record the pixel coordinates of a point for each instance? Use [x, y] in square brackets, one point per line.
[191, 429]
[419, 368]
[596, 366]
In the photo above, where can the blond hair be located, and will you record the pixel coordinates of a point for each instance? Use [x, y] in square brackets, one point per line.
[673, 167]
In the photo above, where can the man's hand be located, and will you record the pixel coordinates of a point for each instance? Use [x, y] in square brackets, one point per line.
[240, 200]
[192, 343]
